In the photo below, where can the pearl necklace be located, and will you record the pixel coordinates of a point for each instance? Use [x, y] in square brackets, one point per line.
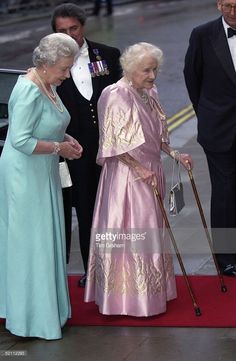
[53, 97]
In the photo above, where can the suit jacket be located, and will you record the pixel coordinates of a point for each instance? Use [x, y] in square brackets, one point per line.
[211, 82]
[84, 121]
[84, 113]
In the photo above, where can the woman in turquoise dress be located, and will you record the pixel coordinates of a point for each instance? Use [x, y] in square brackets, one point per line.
[34, 297]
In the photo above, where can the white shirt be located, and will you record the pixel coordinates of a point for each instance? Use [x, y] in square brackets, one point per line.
[80, 73]
[231, 42]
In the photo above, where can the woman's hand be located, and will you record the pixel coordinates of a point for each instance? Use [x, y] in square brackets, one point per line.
[146, 175]
[186, 160]
[70, 150]
[143, 173]
[183, 158]
[74, 142]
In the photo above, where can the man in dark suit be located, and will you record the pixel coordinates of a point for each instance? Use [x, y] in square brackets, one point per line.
[96, 67]
[210, 77]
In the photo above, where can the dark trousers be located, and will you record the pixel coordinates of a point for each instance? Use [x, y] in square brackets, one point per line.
[85, 222]
[97, 6]
[82, 197]
[222, 169]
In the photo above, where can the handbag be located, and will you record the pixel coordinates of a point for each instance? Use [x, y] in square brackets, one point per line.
[176, 196]
[64, 174]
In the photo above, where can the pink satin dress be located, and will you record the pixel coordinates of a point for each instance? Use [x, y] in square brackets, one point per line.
[130, 269]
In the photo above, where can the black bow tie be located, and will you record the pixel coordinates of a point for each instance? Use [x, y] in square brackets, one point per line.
[231, 32]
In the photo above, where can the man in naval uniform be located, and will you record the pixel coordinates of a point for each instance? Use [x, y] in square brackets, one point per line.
[96, 67]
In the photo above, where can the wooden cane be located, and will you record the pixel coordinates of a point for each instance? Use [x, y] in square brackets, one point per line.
[223, 287]
[196, 307]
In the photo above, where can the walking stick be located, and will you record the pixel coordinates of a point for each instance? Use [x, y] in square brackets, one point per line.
[223, 287]
[196, 308]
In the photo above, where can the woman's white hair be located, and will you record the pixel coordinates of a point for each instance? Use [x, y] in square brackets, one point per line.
[132, 56]
[52, 48]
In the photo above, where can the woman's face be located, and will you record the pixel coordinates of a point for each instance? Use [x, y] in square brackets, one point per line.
[57, 73]
[145, 74]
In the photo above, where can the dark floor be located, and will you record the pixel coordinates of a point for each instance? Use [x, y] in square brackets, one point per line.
[126, 344]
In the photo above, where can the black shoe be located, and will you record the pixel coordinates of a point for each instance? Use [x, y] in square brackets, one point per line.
[82, 281]
[229, 270]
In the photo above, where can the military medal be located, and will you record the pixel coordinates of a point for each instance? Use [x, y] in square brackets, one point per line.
[91, 69]
[98, 67]
[96, 52]
[105, 67]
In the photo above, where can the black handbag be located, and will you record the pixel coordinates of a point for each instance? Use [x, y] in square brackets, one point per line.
[176, 196]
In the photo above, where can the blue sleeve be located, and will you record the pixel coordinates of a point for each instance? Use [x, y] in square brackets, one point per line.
[25, 109]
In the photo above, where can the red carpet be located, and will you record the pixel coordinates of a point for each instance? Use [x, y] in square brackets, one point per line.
[218, 309]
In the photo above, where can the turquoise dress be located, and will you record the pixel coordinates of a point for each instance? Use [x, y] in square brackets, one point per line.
[34, 297]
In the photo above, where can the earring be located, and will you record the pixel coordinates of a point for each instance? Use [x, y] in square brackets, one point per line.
[44, 72]
[130, 83]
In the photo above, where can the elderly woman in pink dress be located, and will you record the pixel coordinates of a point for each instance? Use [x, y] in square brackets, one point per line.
[130, 265]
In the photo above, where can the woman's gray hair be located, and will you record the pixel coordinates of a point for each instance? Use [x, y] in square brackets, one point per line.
[132, 56]
[52, 48]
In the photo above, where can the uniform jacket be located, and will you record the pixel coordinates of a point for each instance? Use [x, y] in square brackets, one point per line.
[84, 121]
[83, 113]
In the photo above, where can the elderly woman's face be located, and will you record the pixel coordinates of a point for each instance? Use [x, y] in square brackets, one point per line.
[145, 74]
[57, 73]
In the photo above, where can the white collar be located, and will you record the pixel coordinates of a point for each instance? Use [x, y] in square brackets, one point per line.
[83, 50]
[226, 26]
